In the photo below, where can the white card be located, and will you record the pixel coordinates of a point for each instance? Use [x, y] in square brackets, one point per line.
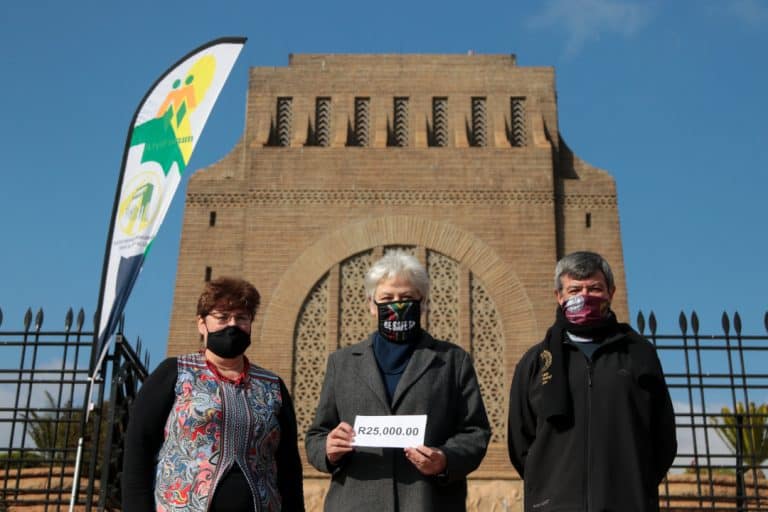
[404, 431]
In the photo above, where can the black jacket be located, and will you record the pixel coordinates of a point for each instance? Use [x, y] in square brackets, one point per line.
[617, 445]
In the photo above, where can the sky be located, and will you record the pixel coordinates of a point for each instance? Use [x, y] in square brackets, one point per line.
[669, 97]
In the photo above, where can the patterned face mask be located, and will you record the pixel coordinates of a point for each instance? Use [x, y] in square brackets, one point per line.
[400, 321]
[586, 309]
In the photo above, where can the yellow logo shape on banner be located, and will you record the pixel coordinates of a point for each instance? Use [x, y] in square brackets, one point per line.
[140, 205]
[184, 100]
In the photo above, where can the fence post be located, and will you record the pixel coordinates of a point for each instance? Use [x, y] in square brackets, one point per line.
[741, 491]
[106, 489]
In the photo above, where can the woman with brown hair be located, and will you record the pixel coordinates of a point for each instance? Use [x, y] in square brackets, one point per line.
[211, 431]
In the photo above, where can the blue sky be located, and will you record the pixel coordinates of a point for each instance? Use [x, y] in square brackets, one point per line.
[669, 97]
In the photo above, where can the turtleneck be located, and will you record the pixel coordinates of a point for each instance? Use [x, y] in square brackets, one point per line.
[392, 359]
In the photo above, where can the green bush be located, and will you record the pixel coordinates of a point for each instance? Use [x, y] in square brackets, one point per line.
[19, 460]
[753, 431]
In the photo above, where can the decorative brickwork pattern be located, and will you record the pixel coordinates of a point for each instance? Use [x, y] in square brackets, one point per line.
[367, 197]
[354, 317]
[362, 122]
[479, 123]
[517, 131]
[443, 310]
[323, 122]
[486, 337]
[309, 354]
[284, 121]
[589, 201]
[487, 342]
[400, 123]
[439, 122]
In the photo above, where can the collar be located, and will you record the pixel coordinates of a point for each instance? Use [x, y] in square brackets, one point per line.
[578, 339]
[241, 379]
[572, 341]
[425, 340]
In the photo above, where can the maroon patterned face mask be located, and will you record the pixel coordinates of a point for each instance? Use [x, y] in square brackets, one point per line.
[586, 309]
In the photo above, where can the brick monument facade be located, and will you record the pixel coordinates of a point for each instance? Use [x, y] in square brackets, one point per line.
[456, 158]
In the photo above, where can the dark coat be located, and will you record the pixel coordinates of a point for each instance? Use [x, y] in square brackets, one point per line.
[619, 443]
[440, 382]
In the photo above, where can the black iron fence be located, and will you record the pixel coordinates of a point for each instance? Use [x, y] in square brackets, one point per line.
[44, 377]
[718, 382]
[719, 386]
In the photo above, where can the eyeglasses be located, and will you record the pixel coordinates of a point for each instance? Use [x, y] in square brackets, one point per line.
[223, 318]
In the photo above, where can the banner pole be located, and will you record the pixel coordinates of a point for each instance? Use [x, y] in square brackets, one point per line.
[159, 146]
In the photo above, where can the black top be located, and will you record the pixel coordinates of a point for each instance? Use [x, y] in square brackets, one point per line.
[144, 438]
[614, 449]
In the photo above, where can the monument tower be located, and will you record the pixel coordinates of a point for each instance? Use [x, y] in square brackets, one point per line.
[456, 158]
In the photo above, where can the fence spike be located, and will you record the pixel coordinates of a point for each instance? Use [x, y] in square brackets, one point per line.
[765, 321]
[737, 323]
[27, 319]
[1, 316]
[695, 322]
[39, 319]
[682, 321]
[652, 322]
[68, 320]
[640, 322]
[80, 319]
[726, 323]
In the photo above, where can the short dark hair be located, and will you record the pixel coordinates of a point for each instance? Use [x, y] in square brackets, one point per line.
[581, 265]
[228, 293]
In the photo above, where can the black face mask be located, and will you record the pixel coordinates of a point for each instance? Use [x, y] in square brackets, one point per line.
[400, 321]
[229, 342]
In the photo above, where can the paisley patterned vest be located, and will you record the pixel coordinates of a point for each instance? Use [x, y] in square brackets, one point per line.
[213, 425]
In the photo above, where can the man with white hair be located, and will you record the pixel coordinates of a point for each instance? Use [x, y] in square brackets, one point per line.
[591, 425]
[399, 370]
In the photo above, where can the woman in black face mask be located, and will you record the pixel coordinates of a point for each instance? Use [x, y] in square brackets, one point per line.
[212, 431]
[399, 370]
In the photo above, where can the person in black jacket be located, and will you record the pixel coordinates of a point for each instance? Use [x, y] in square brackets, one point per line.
[591, 425]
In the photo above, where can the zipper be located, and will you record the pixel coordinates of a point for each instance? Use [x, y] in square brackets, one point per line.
[588, 418]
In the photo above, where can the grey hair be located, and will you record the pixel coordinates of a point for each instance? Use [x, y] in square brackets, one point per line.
[581, 265]
[397, 263]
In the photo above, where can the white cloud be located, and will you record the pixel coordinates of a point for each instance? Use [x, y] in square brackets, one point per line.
[586, 20]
